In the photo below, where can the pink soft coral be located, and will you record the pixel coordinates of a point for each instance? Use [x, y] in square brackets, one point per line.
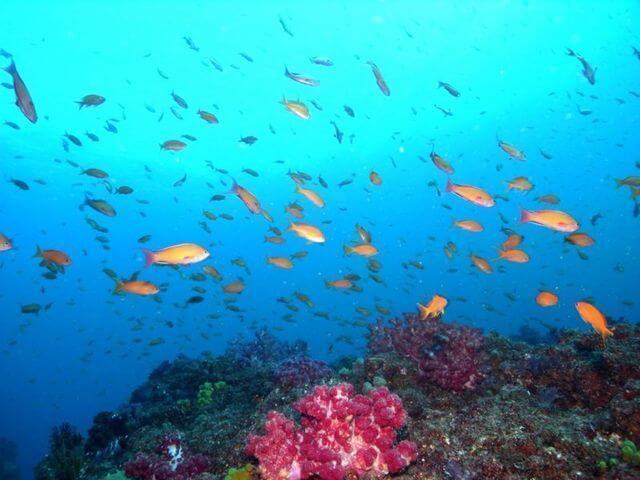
[341, 433]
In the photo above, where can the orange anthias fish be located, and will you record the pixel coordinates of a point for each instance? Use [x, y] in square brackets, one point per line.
[341, 283]
[375, 178]
[136, 287]
[435, 307]
[57, 257]
[516, 256]
[471, 194]
[512, 241]
[512, 151]
[546, 299]
[553, 219]
[299, 109]
[595, 318]
[441, 163]
[520, 183]
[308, 232]
[364, 250]
[310, 195]
[183, 254]
[236, 287]
[248, 198]
[469, 225]
[481, 264]
[280, 262]
[580, 239]
[23, 98]
[5, 243]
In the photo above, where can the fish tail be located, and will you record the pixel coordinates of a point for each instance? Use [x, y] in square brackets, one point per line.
[619, 183]
[118, 288]
[424, 311]
[571, 53]
[80, 104]
[449, 187]
[38, 252]
[11, 68]
[440, 84]
[525, 216]
[347, 250]
[149, 257]
[287, 73]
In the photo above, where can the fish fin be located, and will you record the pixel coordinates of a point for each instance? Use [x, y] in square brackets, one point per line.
[449, 187]
[424, 311]
[571, 53]
[440, 84]
[149, 257]
[525, 216]
[118, 288]
[347, 250]
[38, 252]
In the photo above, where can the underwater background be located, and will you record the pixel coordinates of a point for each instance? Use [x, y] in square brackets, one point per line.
[71, 348]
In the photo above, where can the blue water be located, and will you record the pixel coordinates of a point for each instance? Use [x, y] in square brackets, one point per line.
[507, 59]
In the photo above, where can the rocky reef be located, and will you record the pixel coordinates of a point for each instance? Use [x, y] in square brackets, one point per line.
[430, 400]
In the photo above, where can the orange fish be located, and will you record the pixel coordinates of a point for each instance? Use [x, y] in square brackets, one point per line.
[281, 262]
[520, 183]
[374, 177]
[308, 232]
[137, 287]
[5, 243]
[57, 257]
[595, 318]
[364, 250]
[182, 254]
[248, 198]
[550, 198]
[173, 145]
[471, 194]
[553, 219]
[516, 256]
[435, 307]
[310, 195]
[208, 117]
[212, 272]
[469, 225]
[580, 239]
[512, 151]
[299, 109]
[512, 241]
[481, 264]
[23, 98]
[341, 283]
[441, 163]
[546, 299]
[236, 287]
[294, 210]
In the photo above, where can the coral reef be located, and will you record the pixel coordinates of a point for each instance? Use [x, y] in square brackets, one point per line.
[563, 410]
[449, 356]
[301, 370]
[341, 434]
[66, 457]
[172, 460]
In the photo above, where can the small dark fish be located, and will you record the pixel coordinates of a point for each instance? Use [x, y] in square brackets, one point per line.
[73, 139]
[215, 64]
[32, 308]
[4, 53]
[296, 77]
[338, 134]
[180, 182]
[346, 182]
[251, 172]
[588, 72]
[284, 27]
[322, 182]
[249, 140]
[595, 219]
[246, 57]
[349, 111]
[195, 299]
[546, 155]
[110, 127]
[100, 206]
[20, 184]
[379, 79]
[23, 98]
[7, 85]
[15, 126]
[91, 100]
[636, 52]
[162, 74]
[452, 91]
[191, 44]
[144, 239]
[124, 190]
[316, 104]
[324, 61]
[447, 113]
[179, 100]
[92, 136]
[95, 173]
[191, 138]
[175, 113]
